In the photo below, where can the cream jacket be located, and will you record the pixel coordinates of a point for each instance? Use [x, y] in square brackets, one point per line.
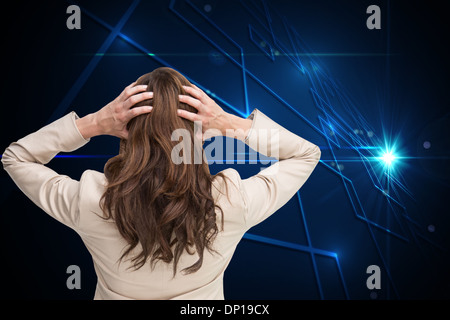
[76, 204]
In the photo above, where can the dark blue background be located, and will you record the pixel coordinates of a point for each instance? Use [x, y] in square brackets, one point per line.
[390, 82]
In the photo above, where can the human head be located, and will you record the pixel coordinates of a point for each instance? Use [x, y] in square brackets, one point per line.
[166, 207]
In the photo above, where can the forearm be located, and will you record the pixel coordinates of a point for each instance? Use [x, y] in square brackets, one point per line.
[112, 119]
[274, 186]
[88, 126]
[25, 161]
[273, 140]
[41, 146]
[236, 127]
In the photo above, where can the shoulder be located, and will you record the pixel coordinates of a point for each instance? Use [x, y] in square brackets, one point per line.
[93, 179]
[227, 177]
[226, 188]
[92, 219]
[92, 187]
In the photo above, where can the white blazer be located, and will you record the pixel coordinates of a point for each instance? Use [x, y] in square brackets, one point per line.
[76, 204]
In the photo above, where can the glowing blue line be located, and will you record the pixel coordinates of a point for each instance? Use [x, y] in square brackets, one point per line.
[315, 69]
[331, 168]
[244, 78]
[394, 211]
[158, 59]
[284, 53]
[269, 54]
[163, 62]
[368, 220]
[344, 285]
[351, 109]
[371, 171]
[288, 245]
[269, 21]
[79, 83]
[248, 72]
[353, 147]
[83, 156]
[355, 211]
[313, 258]
[332, 138]
[288, 28]
[213, 24]
[251, 12]
[409, 219]
[365, 163]
[155, 57]
[212, 161]
[242, 65]
[349, 130]
[398, 183]
[336, 125]
[283, 101]
[239, 161]
[246, 161]
[369, 224]
[172, 8]
[388, 196]
[432, 242]
[308, 238]
[351, 160]
[347, 105]
[279, 45]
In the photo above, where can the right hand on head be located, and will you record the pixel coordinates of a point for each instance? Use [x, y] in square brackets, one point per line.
[213, 118]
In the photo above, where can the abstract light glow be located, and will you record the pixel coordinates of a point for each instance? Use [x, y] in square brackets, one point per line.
[388, 158]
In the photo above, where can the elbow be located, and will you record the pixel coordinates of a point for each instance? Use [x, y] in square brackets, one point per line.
[7, 158]
[315, 154]
[318, 153]
[311, 154]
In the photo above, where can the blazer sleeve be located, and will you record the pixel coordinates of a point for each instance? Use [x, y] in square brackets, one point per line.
[270, 189]
[25, 161]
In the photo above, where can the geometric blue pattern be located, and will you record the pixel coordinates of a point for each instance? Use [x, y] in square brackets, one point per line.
[336, 118]
[115, 32]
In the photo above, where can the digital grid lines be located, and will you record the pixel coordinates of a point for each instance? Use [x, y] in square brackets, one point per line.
[325, 93]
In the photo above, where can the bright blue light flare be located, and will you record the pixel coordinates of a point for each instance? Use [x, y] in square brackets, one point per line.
[388, 158]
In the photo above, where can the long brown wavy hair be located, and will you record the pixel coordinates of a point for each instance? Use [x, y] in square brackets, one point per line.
[165, 207]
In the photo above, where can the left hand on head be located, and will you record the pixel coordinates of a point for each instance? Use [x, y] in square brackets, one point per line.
[112, 119]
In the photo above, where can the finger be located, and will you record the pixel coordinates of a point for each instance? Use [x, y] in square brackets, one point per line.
[197, 104]
[193, 85]
[188, 115]
[195, 92]
[202, 93]
[136, 98]
[132, 90]
[127, 87]
[131, 84]
[138, 111]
